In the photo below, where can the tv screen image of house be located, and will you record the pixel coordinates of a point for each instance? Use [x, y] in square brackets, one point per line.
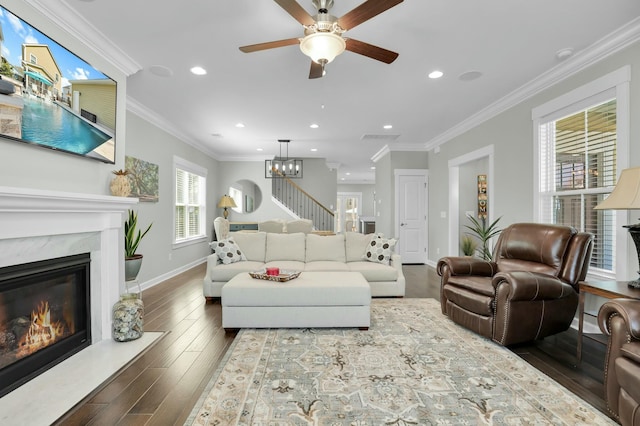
[50, 97]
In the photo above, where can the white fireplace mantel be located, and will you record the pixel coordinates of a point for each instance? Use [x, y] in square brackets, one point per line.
[41, 224]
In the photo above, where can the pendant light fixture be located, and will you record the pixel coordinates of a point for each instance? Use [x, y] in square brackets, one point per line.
[281, 166]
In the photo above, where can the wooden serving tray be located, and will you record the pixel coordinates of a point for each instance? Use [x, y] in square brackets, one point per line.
[283, 277]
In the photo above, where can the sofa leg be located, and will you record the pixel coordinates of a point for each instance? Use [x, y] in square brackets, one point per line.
[209, 300]
[231, 330]
[363, 328]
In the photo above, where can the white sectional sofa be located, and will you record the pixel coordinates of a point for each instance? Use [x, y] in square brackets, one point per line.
[306, 252]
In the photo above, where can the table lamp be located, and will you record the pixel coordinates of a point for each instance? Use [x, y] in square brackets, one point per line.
[224, 203]
[626, 196]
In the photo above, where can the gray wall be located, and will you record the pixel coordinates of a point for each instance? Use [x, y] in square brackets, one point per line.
[31, 167]
[318, 181]
[27, 166]
[511, 133]
[149, 143]
[368, 196]
[385, 185]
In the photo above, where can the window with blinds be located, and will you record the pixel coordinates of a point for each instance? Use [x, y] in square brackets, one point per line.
[189, 205]
[578, 170]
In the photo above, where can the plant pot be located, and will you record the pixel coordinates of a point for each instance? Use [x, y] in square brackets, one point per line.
[132, 267]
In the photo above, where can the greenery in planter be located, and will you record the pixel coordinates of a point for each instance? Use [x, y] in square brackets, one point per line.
[131, 239]
[483, 233]
[468, 245]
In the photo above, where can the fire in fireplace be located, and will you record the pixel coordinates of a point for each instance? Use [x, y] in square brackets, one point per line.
[44, 316]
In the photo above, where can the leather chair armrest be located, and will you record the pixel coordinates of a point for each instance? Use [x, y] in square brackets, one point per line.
[467, 266]
[628, 309]
[531, 286]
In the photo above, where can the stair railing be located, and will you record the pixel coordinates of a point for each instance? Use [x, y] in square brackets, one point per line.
[301, 203]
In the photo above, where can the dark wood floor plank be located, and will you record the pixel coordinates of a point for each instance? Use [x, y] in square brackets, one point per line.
[121, 405]
[149, 403]
[162, 385]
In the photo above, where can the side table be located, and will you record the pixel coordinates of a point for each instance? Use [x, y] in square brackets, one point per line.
[606, 289]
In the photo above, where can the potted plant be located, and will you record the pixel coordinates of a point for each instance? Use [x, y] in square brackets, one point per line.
[468, 245]
[133, 261]
[484, 233]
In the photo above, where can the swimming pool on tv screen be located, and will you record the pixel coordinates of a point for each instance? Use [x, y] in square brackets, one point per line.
[49, 124]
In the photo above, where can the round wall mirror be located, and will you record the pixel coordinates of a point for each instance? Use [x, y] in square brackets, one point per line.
[246, 194]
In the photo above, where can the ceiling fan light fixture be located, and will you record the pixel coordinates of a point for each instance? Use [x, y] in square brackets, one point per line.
[322, 47]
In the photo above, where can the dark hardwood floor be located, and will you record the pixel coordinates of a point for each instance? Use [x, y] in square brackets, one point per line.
[163, 384]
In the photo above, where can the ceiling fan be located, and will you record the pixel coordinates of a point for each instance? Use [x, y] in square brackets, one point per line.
[323, 39]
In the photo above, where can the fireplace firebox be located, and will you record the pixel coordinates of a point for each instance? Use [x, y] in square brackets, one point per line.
[45, 316]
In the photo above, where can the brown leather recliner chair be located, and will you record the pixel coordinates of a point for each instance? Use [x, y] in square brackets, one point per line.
[620, 319]
[527, 292]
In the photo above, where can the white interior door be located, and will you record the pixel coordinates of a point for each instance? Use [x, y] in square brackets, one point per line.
[411, 215]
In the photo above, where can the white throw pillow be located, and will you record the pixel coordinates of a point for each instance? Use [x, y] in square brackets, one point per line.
[227, 251]
[380, 250]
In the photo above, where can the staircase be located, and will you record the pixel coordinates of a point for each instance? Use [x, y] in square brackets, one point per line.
[301, 204]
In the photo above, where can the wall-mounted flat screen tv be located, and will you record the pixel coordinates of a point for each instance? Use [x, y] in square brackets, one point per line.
[50, 97]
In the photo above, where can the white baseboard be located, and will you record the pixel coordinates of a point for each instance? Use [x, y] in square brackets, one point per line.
[157, 280]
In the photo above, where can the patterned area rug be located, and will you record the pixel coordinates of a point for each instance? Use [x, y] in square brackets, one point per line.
[413, 367]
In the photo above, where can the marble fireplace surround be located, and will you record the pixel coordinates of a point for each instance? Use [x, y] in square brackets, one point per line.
[38, 225]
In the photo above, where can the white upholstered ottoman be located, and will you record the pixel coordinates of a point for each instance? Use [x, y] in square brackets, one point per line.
[314, 299]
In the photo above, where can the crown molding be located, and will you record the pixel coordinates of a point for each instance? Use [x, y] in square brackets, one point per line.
[69, 20]
[145, 113]
[608, 45]
[398, 147]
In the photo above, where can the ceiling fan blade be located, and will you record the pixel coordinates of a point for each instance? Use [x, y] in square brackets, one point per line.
[294, 9]
[373, 52]
[316, 70]
[365, 11]
[269, 45]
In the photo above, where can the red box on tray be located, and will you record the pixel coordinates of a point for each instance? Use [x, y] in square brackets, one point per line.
[273, 271]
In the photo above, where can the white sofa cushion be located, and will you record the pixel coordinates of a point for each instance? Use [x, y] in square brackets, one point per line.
[285, 247]
[373, 271]
[252, 244]
[325, 247]
[356, 245]
[286, 265]
[226, 272]
[325, 265]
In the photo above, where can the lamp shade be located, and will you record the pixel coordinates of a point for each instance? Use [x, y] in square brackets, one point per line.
[626, 194]
[322, 46]
[226, 202]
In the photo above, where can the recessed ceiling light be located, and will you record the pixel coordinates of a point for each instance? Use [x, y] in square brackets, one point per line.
[348, 174]
[314, 126]
[436, 74]
[387, 126]
[341, 178]
[239, 125]
[373, 167]
[198, 71]
[259, 149]
[314, 149]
